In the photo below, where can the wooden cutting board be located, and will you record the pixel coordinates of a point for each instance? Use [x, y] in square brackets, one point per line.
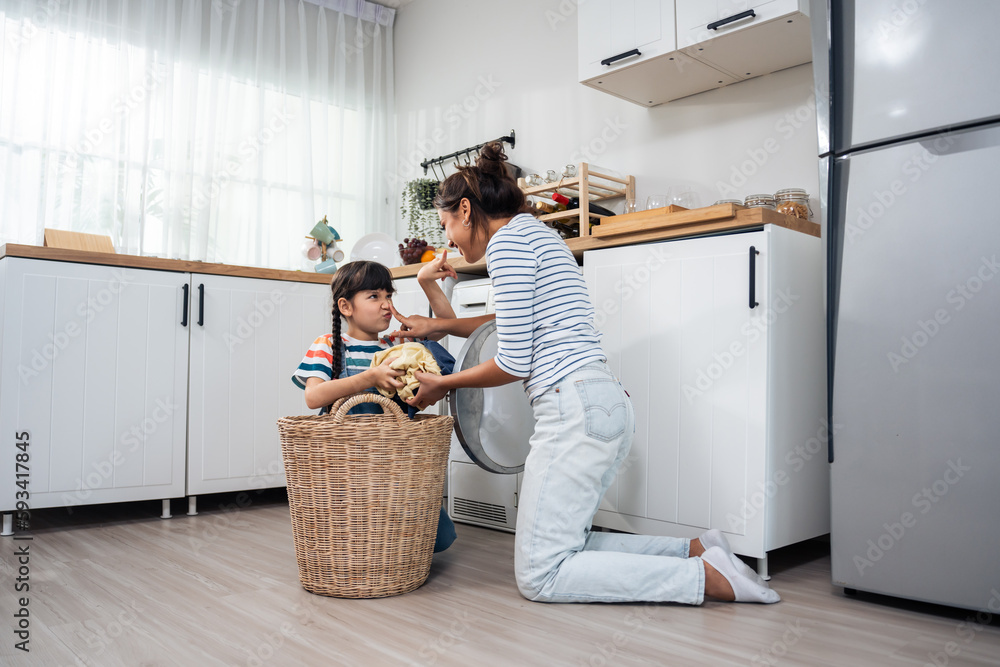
[661, 218]
[58, 238]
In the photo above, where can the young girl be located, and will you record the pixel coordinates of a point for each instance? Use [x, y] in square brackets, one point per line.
[362, 297]
[584, 419]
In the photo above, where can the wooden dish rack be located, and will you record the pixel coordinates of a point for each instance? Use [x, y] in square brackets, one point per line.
[589, 186]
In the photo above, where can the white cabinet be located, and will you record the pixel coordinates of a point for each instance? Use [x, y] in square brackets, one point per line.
[746, 38]
[611, 32]
[730, 399]
[686, 46]
[247, 337]
[94, 369]
[659, 73]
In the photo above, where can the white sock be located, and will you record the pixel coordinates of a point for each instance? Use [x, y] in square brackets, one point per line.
[747, 571]
[715, 538]
[746, 590]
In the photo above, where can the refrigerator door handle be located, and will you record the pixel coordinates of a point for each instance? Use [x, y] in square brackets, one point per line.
[753, 277]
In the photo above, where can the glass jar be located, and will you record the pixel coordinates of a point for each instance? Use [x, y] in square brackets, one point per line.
[793, 201]
[738, 202]
[759, 201]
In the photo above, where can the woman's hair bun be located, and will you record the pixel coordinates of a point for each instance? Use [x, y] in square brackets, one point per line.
[491, 158]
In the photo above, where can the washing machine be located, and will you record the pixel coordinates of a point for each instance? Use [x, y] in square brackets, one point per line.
[492, 425]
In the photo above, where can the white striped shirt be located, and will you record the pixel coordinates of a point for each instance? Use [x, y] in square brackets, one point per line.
[545, 320]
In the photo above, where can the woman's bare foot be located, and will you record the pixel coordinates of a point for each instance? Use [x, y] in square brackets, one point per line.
[716, 585]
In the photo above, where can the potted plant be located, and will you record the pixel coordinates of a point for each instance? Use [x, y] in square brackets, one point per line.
[422, 221]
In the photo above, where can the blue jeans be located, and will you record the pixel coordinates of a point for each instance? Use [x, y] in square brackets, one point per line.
[584, 429]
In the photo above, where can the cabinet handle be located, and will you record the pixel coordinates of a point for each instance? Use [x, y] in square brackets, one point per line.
[753, 277]
[732, 19]
[184, 308]
[201, 304]
[621, 56]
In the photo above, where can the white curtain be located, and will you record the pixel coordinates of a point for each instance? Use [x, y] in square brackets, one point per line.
[212, 130]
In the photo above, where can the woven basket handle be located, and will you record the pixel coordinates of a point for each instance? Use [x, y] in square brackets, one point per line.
[339, 408]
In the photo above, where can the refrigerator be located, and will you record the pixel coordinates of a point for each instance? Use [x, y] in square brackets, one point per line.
[908, 113]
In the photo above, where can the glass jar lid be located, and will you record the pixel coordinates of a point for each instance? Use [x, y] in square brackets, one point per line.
[759, 200]
[738, 202]
[791, 193]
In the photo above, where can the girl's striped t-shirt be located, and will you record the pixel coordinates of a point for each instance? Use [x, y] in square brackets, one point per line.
[318, 362]
[545, 320]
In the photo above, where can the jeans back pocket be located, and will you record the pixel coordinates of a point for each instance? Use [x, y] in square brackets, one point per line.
[605, 411]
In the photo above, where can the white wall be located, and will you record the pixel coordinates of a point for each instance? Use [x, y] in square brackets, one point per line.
[467, 71]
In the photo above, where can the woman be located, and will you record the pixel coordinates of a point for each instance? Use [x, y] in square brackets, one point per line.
[584, 419]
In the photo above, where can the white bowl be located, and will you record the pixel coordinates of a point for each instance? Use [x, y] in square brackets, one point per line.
[377, 247]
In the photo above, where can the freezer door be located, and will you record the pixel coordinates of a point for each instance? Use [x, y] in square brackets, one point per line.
[902, 68]
[915, 418]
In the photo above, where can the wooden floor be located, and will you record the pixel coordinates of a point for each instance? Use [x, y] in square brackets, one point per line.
[114, 585]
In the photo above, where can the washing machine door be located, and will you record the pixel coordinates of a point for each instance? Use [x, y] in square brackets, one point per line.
[494, 424]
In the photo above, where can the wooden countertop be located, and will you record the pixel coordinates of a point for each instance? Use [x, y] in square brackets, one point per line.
[696, 222]
[159, 264]
[644, 227]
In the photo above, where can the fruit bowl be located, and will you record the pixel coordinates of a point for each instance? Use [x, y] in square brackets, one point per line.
[415, 251]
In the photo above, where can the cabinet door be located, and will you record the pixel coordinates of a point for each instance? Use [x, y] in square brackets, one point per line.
[94, 368]
[243, 353]
[774, 37]
[679, 333]
[606, 29]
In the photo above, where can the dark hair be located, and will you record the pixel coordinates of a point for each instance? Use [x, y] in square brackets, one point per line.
[351, 278]
[491, 190]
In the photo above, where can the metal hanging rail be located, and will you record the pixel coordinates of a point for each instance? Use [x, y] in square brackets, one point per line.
[444, 158]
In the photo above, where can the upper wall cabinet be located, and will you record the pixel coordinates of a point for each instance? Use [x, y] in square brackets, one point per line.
[653, 51]
[746, 38]
[618, 35]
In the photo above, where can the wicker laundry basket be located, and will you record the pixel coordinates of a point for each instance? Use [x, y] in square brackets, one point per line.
[365, 495]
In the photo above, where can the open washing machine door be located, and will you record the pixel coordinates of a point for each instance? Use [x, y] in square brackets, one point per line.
[493, 425]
